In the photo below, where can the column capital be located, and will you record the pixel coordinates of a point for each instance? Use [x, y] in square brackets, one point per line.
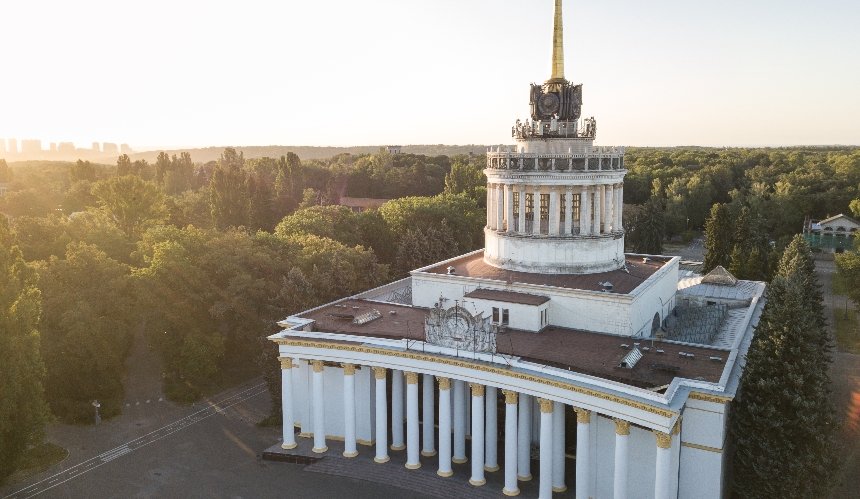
[444, 383]
[622, 427]
[348, 369]
[677, 428]
[286, 362]
[510, 396]
[379, 372]
[477, 389]
[664, 440]
[545, 405]
[411, 378]
[583, 416]
[317, 366]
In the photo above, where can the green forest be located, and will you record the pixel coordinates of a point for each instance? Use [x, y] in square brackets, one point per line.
[200, 260]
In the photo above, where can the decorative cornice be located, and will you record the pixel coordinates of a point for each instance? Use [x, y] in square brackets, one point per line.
[474, 366]
[622, 427]
[545, 405]
[510, 396]
[702, 447]
[317, 366]
[664, 440]
[411, 378]
[477, 389]
[348, 369]
[444, 383]
[677, 428]
[379, 372]
[583, 416]
[707, 397]
[286, 362]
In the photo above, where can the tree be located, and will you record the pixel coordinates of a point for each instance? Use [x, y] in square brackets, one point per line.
[163, 164]
[260, 210]
[718, 238]
[228, 192]
[645, 227]
[467, 177]
[334, 222]
[123, 165]
[423, 246]
[83, 170]
[23, 411]
[782, 419]
[5, 172]
[131, 202]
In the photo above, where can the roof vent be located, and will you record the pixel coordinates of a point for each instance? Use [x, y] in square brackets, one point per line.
[451, 270]
[366, 317]
[645, 259]
[606, 287]
[630, 360]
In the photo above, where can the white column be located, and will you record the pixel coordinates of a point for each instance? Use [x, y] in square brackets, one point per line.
[459, 422]
[319, 409]
[444, 427]
[500, 207]
[428, 415]
[521, 222]
[413, 440]
[554, 213]
[536, 210]
[558, 459]
[489, 206]
[397, 410]
[477, 435]
[583, 466]
[568, 211]
[619, 205]
[663, 465]
[604, 219]
[491, 454]
[381, 416]
[349, 449]
[546, 454]
[622, 446]
[584, 212]
[287, 403]
[595, 218]
[509, 208]
[610, 209]
[511, 488]
[524, 439]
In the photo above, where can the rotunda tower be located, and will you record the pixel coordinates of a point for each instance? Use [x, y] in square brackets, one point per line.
[554, 200]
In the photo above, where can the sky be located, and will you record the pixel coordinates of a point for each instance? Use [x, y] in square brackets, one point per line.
[188, 73]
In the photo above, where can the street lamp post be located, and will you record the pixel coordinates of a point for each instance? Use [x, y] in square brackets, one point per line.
[96, 405]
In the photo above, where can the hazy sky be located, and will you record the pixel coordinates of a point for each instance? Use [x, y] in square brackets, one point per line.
[347, 72]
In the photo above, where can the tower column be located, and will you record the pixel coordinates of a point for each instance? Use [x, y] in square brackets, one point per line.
[477, 435]
[509, 209]
[597, 212]
[491, 454]
[500, 207]
[489, 207]
[428, 416]
[554, 213]
[622, 446]
[289, 433]
[319, 409]
[558, 459]
[349, 448]
[379, 374]
[521, 221]
[619, 205]
[524, 438]
[397, 410]
[444, 427]
[536, 209]
[663, 465]
[511, 488]
[610, 209]
[413, 441]
[583, 465]
[568, 211]
[584, 212]
[546, 453]
[459, 422]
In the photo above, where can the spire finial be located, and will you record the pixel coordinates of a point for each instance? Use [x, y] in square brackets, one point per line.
[557, 45]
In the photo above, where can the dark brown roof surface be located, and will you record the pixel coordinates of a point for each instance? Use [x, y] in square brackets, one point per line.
[507, 296]
[579, 351]
[622, 282]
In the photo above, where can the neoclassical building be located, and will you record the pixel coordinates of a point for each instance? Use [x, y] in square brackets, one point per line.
[549, 342]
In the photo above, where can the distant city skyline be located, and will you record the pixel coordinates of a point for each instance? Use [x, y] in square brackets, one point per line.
[195, 74]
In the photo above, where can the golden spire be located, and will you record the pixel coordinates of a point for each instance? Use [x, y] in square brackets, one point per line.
[557, 45]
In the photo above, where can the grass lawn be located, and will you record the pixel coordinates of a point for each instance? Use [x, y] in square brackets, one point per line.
[38, 459]
[847, 331]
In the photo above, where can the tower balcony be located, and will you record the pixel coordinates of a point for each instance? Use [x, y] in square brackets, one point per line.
[593, 159]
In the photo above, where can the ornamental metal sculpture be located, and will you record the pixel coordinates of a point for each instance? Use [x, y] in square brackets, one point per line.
[456, 327]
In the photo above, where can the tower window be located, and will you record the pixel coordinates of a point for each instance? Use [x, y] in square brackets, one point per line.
[505, 317]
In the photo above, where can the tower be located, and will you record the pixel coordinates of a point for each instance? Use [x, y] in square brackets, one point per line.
[554, 200]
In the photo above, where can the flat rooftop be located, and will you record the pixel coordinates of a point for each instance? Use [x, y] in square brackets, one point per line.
[473, 265]
[584, 352]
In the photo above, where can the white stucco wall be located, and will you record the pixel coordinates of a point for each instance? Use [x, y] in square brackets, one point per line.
[553, 255]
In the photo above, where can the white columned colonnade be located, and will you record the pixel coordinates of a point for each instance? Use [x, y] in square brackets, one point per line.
[420, 438]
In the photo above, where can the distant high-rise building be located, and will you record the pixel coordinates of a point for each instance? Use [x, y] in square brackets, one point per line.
[3, 146]
[66, 148]
[125, 149]
[31, 146]
[12, 147]
[53, 147]
[109, 148]
[96, 148]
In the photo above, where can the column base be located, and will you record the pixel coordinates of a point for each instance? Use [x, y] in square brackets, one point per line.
[511, 493]
[460, 460]
[491, 469]
[397, 447]
[320, 450]
[563, 488]
[304, 434]
[381, 460]
[428, 453]
[526, 478]
[445, 474]
[369, 443]
[477, 483]
[289, 446]
[350, 454]
[411, 466]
